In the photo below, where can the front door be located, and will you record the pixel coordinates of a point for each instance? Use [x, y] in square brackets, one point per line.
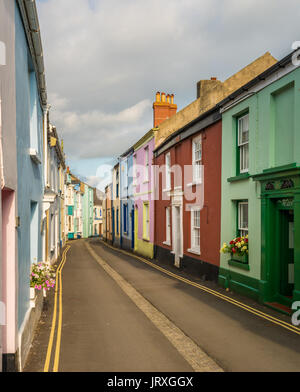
[177, 234]
[286, 238]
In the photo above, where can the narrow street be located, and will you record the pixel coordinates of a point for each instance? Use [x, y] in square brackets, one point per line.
[104, 330]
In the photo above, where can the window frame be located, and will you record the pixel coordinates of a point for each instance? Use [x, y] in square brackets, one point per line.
[240, 145]
[146, 163]
[195, 248]
[168, 171]
[197, 177]
[242, 231]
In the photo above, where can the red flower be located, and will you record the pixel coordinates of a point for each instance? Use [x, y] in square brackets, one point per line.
[233, 250]
[231, 242]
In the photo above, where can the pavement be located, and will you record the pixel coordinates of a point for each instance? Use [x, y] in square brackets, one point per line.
[120, 314]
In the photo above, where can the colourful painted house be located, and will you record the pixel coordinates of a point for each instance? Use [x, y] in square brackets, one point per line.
[116, 206]
[261, 186]
[143, 200]
[127, 200]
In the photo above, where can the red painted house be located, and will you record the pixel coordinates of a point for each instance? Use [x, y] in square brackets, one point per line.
[187, 232]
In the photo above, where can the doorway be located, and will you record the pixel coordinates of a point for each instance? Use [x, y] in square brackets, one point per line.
[177, 235]
[286, 253]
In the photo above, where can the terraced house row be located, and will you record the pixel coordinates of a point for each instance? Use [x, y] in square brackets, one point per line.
[221, 174]
[34, 211]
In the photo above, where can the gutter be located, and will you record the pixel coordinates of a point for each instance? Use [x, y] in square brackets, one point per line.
[30, 19]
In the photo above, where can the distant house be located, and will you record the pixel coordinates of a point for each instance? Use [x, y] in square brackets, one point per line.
[98, 215]
[116, 206]
[127, 200]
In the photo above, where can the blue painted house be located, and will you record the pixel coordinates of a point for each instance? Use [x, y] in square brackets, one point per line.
[31, 101]
[23, 232]
[127, 200]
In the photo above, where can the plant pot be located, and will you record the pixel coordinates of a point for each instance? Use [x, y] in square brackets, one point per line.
[32, 293]
[240, 259]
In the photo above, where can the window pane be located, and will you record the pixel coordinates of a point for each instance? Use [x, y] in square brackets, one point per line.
[243, 216]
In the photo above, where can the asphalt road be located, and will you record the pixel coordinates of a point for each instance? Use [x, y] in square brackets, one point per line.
[103, 329]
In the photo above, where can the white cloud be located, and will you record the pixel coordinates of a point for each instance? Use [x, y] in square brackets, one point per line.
[94, 133]
[106, 59]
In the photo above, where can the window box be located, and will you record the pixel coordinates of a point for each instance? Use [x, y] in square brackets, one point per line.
[239, 262]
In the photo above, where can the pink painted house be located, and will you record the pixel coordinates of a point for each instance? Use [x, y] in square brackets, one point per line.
[142, 193]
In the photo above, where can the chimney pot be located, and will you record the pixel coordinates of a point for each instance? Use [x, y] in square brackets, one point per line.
[168, 98]
[213, 78]
[172, 99]
[163, 97]
[158, 96]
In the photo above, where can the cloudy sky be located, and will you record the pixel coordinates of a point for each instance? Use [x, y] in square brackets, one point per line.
[105, 60]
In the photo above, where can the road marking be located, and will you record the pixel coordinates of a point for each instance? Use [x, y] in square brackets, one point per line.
[248, 308]
[52, 332]
[190, 351]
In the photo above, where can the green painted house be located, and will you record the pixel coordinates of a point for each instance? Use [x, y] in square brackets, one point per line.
[88, 211]
[261, 186]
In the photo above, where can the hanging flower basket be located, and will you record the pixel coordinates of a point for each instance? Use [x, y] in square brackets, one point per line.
[42, 277]
[238, 248]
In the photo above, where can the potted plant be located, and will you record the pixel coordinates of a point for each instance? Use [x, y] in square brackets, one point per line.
[238, 248]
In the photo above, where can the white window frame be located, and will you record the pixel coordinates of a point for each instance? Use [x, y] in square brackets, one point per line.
[195, 248]
[168, 226]
[197, 161]
[146, 169]
[134, 170]
[168, 171]
[243, 146]
[242, 230]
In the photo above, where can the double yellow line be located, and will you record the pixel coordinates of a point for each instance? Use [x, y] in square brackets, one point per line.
[239, 304]
[58, 296]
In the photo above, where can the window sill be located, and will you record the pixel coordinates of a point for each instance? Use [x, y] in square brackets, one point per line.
[239, 264]
[167, 243]
[34, 155]
[194, 251]
[243, 176]
[146, 239]
[167, 190]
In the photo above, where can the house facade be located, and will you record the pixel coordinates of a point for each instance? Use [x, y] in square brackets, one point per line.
[31, 106]
[188, 200]
[127, 200]
[87, 211]
[98, 215]
[108, 235]
[116, 206]
[9, 185]
[54, 166]
[260, 186]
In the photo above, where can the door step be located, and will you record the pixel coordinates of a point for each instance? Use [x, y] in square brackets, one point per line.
[279, 307]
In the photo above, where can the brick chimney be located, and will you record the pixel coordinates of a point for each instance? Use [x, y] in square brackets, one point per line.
[163, 108]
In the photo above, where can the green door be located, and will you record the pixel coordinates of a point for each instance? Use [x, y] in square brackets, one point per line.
[286, 238]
